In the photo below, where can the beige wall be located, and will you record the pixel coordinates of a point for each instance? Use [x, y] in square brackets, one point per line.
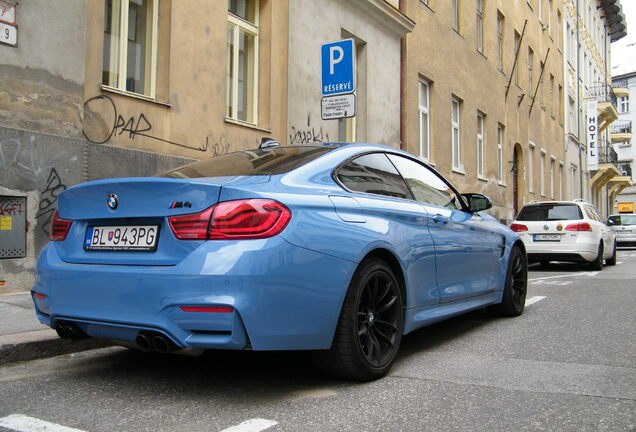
[188, 117]
[377, 28]
[41, 78]
[451, 62]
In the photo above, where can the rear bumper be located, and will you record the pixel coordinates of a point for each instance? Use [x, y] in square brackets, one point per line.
[573, 252]
[282, 297]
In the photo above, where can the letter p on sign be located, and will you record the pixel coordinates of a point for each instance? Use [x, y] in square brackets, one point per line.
[333, 59]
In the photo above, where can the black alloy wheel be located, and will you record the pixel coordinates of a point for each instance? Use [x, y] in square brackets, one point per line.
[379, 318]
[516, 288]
[369, 330]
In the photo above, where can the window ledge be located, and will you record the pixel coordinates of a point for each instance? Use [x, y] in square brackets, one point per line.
[427, 6]
[245, 124]
[459, 171]
[482, 178]
[502, 184]
[427, 161]
[134, 96]
[457, 32]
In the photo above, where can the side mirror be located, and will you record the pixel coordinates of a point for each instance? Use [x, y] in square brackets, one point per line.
[477, 202]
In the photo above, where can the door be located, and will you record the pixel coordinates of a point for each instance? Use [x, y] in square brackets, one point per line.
[467, 250]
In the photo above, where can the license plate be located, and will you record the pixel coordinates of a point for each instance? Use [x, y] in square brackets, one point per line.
[624, 232]
[122, 238]
[547, 237]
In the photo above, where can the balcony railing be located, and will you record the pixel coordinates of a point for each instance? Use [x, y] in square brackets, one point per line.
[607, 155]
[625, 169]
[622, 83]
[622, 127]
[603, 93]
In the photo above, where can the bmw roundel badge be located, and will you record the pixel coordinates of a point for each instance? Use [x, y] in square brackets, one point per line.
[112, 201]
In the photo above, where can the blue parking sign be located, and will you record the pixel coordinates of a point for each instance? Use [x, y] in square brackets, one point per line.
[338, 67]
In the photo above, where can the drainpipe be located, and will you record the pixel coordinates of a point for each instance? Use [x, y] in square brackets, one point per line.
[402, 84]
[578, 100]
[607, 137]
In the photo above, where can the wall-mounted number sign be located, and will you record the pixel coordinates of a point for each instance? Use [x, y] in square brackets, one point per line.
[8, 29]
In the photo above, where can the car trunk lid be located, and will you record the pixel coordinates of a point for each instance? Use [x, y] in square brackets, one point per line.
[112, 208]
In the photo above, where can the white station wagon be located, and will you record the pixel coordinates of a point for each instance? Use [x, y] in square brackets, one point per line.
[565, 231]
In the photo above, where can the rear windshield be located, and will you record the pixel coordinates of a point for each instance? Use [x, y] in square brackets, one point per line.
[550, 212]
[622, 220]
[249, 163]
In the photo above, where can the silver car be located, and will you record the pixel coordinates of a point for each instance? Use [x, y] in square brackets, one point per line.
[624, 226]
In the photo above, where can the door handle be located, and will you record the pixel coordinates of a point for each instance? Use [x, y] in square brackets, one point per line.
[440, 220]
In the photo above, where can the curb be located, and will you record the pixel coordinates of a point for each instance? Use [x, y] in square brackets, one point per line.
[41, 344]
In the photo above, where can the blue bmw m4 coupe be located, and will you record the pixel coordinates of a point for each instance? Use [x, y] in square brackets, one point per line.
[337, 249]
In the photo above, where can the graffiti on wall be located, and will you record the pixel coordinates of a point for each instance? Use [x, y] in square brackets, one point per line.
[308, 134]
[97, 131]
[27, 163]
[48, 200]
[24, 159]
[11, 208]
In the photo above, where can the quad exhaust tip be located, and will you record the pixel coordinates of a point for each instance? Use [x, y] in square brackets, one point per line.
[152, 341]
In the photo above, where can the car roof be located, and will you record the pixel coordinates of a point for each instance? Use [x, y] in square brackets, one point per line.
[577, 202]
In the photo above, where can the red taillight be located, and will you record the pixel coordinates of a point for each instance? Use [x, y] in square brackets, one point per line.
[581, 226]
[518, 227]
[207, 309]
[59, 228]
[39, 296]
[191, 226]
[230, 220]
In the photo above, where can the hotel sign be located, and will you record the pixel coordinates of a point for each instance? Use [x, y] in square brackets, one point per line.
[591, 128]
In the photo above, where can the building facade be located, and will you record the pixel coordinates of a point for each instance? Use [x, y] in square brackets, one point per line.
[624, 198]
[590, 27]
[484, 81]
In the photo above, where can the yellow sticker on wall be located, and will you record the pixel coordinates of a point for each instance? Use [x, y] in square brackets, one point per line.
[5, 223]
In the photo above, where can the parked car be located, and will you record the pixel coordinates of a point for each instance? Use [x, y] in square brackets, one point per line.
[336, 249]
[565, 231]
[624, 226]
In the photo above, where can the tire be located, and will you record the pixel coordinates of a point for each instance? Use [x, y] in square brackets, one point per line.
[514, 295]
[597, 264]
[611, 260]
[370, 326]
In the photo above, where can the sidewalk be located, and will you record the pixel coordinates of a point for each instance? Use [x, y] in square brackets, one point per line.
[23, 337]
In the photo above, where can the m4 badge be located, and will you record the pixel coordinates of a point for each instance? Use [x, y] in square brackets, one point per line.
[180, 204]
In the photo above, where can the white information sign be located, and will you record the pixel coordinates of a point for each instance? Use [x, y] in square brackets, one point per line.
[8, 34]
[7, 12]
[591, 128]
[340, 106]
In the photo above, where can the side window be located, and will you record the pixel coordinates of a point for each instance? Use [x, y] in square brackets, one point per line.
[373, 173]
[591, 213]
[427, 187]
[597, 214]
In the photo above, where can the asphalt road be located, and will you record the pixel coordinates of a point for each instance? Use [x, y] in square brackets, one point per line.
[567, 364]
